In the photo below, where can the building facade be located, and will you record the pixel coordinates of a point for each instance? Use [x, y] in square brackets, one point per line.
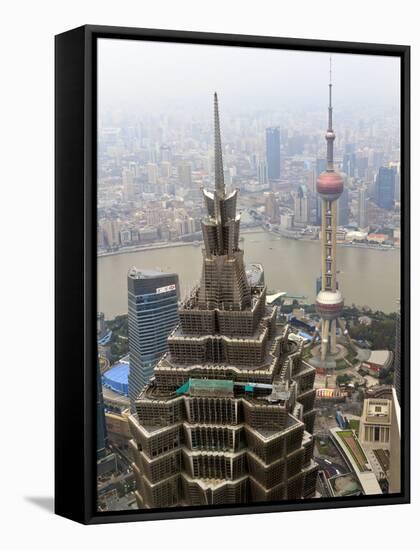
[229, 414]
[272, 143]
[385, 188]
[152, 314]
[301, 206]
[343, 206]
[362, 219]
[380, 436]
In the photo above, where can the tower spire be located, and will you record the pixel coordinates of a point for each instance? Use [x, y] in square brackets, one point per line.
[218, 159]
[330, 136]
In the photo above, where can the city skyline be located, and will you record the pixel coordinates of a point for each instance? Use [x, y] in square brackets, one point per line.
[207, 419]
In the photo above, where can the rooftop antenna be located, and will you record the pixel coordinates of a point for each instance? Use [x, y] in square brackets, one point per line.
[330, 136]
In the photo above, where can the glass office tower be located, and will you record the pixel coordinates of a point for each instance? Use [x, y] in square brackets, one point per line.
[152, 314]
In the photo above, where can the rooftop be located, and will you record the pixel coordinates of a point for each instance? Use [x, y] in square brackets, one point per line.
[345, 485]
[116, 378]
[377, 411]
[136, 273]
[379, 357]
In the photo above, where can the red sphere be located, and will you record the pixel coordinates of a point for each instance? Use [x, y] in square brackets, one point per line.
[330, 185]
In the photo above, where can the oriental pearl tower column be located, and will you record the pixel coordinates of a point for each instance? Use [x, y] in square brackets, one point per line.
[329, 302]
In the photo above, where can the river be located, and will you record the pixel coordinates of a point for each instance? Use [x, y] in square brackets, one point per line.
[367, 277]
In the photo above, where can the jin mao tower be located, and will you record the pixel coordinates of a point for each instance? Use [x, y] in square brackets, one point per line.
[229, 414]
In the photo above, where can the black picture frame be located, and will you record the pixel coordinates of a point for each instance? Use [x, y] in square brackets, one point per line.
[75, 270]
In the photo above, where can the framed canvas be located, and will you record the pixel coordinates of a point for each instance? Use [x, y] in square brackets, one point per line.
[232, 274]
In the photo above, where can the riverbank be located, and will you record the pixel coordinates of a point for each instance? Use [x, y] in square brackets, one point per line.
[250, 231]
[309, 238]
[168, 244]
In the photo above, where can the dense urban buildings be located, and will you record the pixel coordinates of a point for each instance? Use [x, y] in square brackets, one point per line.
[152, 314]
[229, 414]
[226, 408]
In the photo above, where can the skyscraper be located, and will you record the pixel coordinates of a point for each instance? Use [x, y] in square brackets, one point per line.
[262, 172]
[343, 207]
[302, 206]
[385, 188]
[184, 174]
[272, 143]
[152, 173]
[229, 415]
[129, 187]
[271, 208]
[152, 314]
[362, 207]
[329, 301]
[321, 166]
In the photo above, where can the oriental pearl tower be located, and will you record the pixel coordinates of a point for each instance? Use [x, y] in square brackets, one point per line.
[329, 302]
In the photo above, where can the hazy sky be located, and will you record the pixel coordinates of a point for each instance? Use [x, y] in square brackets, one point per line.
[154, 77]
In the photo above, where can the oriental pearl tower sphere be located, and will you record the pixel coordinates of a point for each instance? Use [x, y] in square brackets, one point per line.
[329, 302]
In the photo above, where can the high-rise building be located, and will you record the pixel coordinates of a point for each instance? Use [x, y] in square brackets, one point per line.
[385, 188]
[165, 153]
[184, 174]
[362, 220]
[262, 172]
[349, 159]
[152, 314]
[343, 207]
[272, 143]
[397, 357]
[320, 166]
[165, 169]
[152, 173]
[301, 206]
[129, 187]
[272, 210]
[329, 301]
[111, 230]
[229, 415]
[362, 163]
[397, 169]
